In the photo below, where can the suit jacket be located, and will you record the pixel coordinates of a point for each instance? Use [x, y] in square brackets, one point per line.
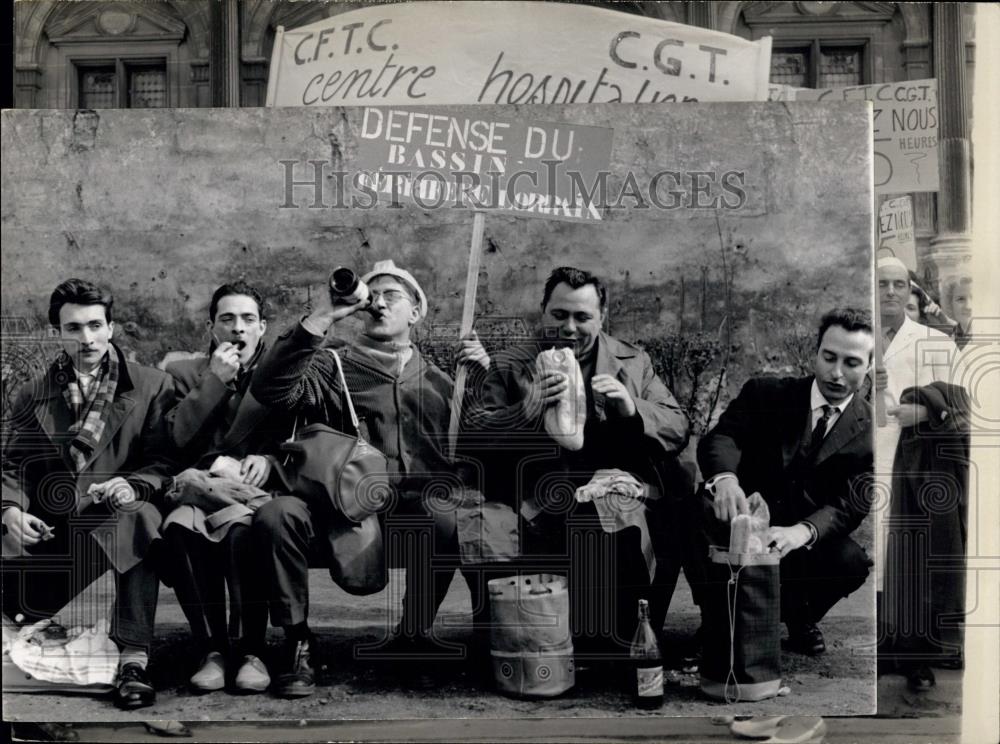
[39, 476]
[197, 423]
[758, 438]
[527, 457]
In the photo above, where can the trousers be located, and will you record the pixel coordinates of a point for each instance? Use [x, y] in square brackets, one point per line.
[43, 581]
[200, 571]
[290, 536]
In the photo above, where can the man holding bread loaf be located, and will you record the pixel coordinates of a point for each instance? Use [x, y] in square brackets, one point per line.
[804, 446]
[549, 415]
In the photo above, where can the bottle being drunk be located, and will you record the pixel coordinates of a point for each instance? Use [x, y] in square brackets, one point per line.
[646, 662]
[346, 287]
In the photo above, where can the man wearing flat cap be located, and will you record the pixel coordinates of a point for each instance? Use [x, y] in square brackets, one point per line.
[403, 401]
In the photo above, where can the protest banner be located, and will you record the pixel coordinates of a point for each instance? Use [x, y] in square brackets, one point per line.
[437, 53]
[438, 157]
[906, 131]
[895, 231]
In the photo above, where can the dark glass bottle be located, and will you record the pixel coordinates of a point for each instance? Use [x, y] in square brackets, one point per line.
[646, 663]
[346, 287]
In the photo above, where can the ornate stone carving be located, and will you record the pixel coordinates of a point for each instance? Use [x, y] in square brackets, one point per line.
[116, 22]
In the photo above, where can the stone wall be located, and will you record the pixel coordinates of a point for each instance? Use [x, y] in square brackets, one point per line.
[162, 206]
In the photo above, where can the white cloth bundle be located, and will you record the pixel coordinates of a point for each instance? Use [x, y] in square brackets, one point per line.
[565, 420]
[225, 466]
[619, 499]
[77, 656]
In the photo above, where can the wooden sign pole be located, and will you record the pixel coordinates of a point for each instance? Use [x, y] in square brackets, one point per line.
[468, 316]
[878, 395]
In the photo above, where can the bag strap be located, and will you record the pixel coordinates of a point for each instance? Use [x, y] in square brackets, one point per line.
[347, 392]
[732, 590]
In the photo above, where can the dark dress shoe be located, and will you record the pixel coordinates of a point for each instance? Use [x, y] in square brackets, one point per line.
[300, 679]
[805, 639]
[133, 689]
[920, 678]
[690, 656]
[411, 659]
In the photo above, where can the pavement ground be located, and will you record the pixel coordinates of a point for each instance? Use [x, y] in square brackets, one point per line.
[369, 702]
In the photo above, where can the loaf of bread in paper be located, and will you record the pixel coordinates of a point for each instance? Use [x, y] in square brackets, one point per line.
[739, 534]
[565, 420]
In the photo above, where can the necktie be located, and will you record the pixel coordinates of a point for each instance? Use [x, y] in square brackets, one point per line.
[820, 431]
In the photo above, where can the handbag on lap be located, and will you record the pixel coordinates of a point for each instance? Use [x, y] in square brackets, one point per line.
[339, 471]
[326, 466]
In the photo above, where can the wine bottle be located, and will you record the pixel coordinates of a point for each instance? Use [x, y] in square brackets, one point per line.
[346, 287]
[646, 662]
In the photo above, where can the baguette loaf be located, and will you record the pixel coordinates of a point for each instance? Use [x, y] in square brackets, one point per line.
[565, 420]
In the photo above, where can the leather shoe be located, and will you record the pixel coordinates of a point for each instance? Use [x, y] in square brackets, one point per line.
[211, 675]
[412, 658]
[300, 680]
[805, 639]
[920, 678]
[690, 660]
[133, 689]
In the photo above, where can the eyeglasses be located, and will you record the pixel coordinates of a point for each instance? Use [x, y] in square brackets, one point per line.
[391, 296]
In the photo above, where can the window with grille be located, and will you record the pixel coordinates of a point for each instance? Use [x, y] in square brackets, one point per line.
[147, 87]
[818, 64]
[122, 84]
[97, 88]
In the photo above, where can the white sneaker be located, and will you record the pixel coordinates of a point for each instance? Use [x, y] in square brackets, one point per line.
[252, 676]
[212, 675]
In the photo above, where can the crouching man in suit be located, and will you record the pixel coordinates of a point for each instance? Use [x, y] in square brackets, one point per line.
[805, 445]
[83, 470]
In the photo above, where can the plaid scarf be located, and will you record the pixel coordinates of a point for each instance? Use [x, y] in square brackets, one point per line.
[90, 411]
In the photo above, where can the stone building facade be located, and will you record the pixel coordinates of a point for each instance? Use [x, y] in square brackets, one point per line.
[197, 53]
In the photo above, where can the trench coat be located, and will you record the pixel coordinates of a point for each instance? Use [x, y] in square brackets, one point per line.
[526, 469]
[928, 532]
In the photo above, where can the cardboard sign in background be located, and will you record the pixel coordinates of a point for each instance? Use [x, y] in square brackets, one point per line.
[906, 131]
[895, 221]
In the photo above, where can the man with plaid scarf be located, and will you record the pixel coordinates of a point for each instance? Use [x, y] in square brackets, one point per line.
[86, 457]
